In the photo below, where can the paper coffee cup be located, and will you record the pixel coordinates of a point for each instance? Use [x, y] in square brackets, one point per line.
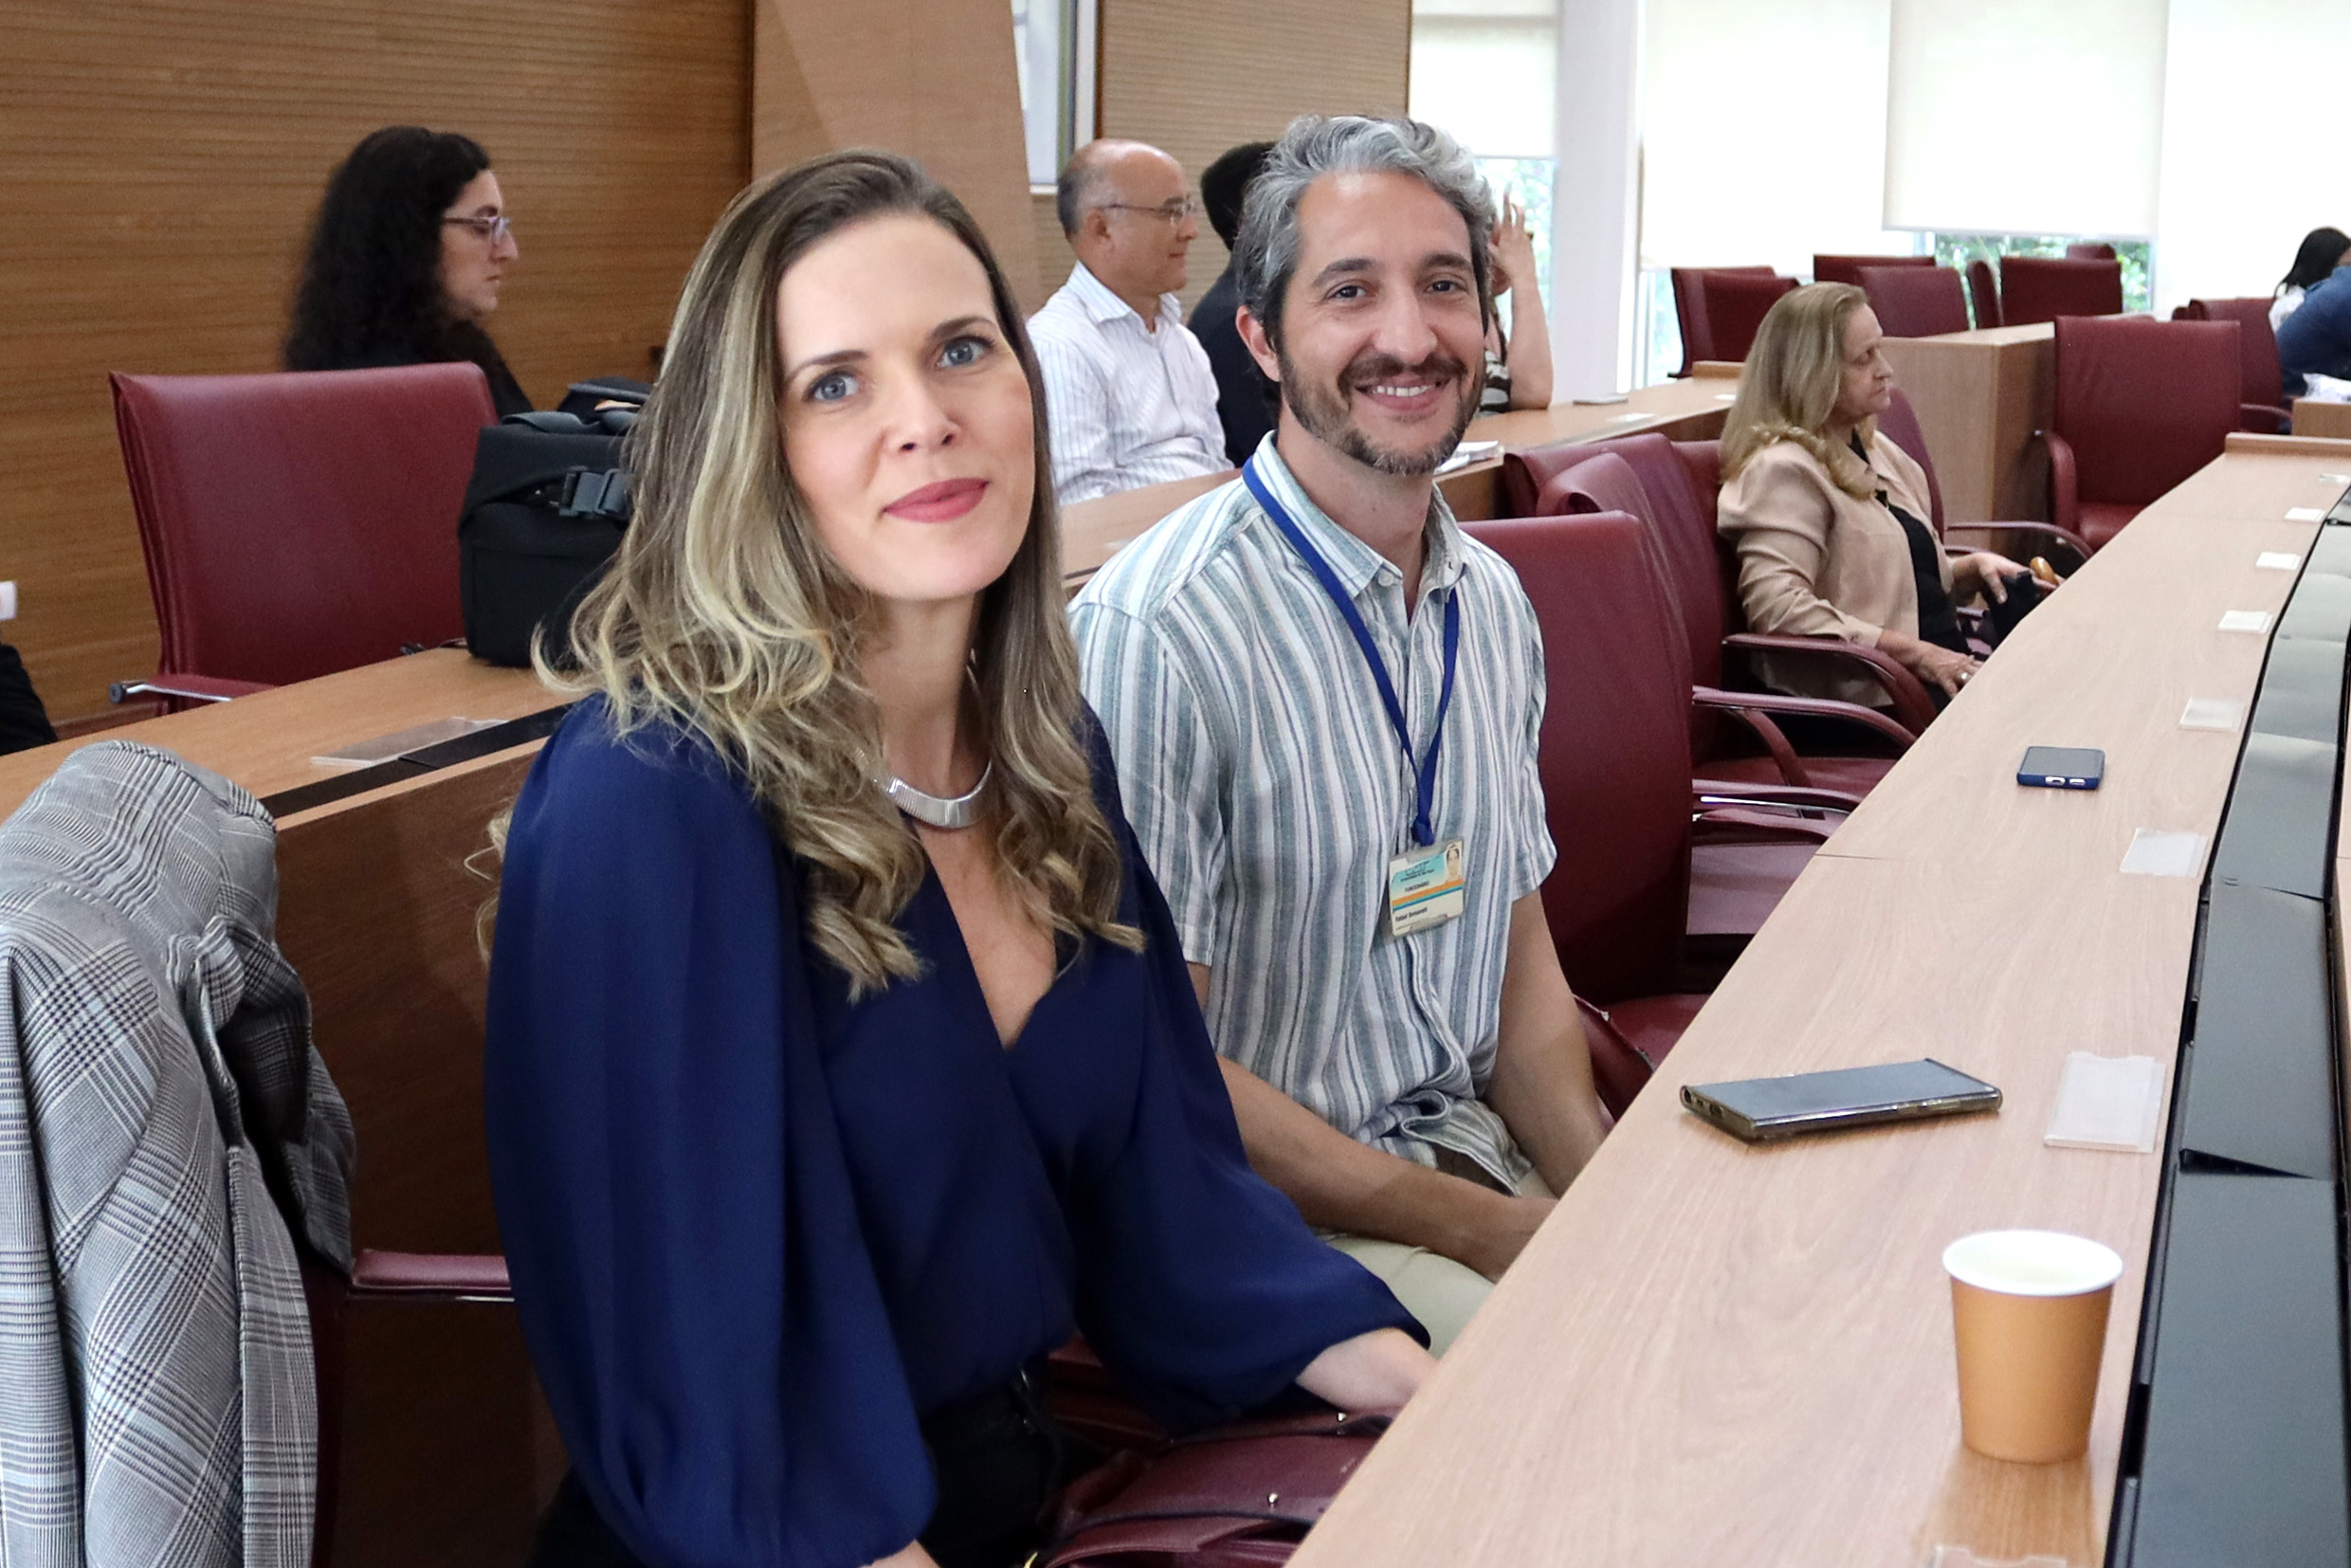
[2029, 1311]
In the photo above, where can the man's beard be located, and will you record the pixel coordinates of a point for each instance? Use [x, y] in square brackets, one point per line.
[1323, 411]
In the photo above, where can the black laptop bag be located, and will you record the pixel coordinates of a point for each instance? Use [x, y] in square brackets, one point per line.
[545, 511]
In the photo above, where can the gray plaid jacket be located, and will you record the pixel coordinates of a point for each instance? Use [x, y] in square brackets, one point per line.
[163, 1119]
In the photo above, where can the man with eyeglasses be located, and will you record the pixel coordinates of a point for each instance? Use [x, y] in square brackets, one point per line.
[1130, 395]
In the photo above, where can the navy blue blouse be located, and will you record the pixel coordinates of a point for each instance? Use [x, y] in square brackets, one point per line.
[758, 1230]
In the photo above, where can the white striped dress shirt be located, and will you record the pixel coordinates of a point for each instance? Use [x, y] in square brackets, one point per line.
[1127, 406]
[1268, 791]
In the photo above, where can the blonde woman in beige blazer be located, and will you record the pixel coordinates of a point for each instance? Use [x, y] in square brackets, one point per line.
[1813, 494]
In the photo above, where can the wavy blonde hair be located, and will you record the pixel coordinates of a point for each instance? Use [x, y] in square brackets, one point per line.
[723, 613]
[1789, 389]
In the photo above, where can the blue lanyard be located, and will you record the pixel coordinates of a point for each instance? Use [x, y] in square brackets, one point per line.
[1425, 783]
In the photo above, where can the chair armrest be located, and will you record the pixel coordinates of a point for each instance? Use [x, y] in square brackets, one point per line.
[1748, 825]
[1706, 794]
[430, 1276]
[193, 688]
[2264, 418]
[2065, 498]
[1913, 709]
[2048, 531]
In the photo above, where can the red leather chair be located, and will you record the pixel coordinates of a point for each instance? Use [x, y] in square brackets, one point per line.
[2141, 405]
[2261, 389]
[375, 1276]
[1689, 309]
[297, 524]
[2095, 250]
[1916, 302]
[1984, 289]
[2042, 288]
[1735, 305]
[1900, 425]
[1614, 754]
[1675, 484]
[1848, 270]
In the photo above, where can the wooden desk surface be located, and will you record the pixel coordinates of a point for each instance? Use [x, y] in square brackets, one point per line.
[1714, 1353]
[265, 741]
[1688, 410]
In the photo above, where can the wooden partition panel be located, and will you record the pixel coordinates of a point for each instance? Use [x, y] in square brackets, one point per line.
[447, 1454]
[159, 164]
[932, 79]
[1194, 77]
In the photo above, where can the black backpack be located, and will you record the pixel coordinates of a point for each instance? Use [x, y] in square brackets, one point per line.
[544, 515]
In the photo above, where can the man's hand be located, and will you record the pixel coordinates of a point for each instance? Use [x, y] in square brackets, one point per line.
[1510, 1227]
[1343, 1185]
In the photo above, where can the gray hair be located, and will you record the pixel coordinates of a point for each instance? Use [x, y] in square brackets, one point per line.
[1265, 255]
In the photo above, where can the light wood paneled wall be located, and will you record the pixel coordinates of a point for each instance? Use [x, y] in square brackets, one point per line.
[1194, 77]
[158, 166]
[932, 79]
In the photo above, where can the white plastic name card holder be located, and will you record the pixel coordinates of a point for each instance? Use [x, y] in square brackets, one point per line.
[2277, 560]
[2305, 514]
[2212, 713]
[362, 754]
[2164, 852]
[2107, 1103]
[2245, 620]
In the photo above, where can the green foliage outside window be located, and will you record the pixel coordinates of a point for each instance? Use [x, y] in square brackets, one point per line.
[1957, 250]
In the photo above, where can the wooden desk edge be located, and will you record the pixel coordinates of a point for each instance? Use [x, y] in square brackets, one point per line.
[2288, 446]
[295, 821]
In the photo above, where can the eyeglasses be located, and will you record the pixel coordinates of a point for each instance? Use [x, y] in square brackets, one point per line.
[492, 229]
[1174, 211]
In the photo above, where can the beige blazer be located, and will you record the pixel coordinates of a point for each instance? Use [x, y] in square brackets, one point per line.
[1815, 561]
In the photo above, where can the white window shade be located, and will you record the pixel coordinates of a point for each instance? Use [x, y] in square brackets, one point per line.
[1762, 132]
[2249, 165]
[2023, 117]
[1487, 80]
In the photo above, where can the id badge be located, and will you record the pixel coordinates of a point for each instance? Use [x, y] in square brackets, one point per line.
[1425, 887]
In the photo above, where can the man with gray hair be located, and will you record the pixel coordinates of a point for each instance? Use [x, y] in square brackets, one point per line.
[1324, 702]
[1128, 390]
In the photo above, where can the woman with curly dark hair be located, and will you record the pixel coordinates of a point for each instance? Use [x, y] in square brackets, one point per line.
[405, 261]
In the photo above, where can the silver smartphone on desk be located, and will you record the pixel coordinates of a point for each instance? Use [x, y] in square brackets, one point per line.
[1762, 1110]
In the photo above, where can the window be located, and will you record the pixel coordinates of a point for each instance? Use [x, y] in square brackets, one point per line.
[1958, 249]
[1053, 54]
[1484, 71]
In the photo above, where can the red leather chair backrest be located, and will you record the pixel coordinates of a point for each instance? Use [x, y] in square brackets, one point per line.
[1614, 750]
[1900, 424]
[2041, 288]
[1847, 269]
[1915, 301]
[300, 524]
[1603, 481]
[2095, 250]
[1689, 310]
[1983, 288]
[1735, 305]
[2142, 403]
[2259, 380]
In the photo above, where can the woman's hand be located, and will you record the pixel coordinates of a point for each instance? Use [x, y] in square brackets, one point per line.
[1985, 572]
[1512, 246]
[1931, 663]
[1375, 1371]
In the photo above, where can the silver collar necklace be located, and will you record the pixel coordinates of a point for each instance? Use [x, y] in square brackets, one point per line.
[939, 810]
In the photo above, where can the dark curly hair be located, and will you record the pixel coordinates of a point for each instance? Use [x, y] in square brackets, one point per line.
[371, 283]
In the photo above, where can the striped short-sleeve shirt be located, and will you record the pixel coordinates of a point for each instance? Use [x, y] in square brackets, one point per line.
[1270, 792]
[1126, 405]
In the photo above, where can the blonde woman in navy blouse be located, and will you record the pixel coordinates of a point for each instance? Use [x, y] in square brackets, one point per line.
[842, 1057]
